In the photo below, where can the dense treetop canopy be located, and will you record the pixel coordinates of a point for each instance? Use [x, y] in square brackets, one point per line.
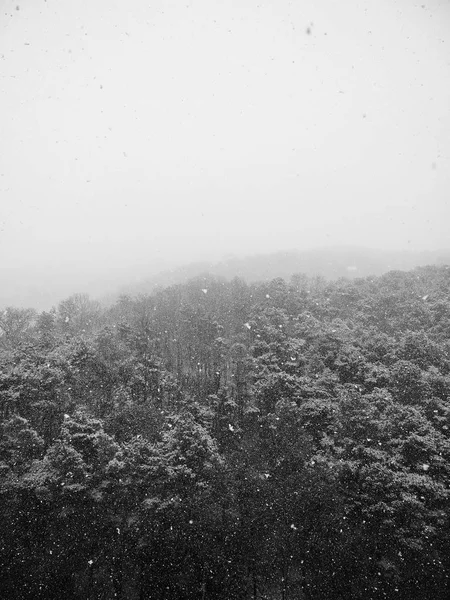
[220, 439]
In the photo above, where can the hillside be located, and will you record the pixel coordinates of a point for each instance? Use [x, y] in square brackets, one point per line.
[331, 263]
[233, 440]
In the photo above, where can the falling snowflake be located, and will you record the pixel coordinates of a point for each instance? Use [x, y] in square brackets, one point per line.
[247, 325]
[204, 290]
[230, 427]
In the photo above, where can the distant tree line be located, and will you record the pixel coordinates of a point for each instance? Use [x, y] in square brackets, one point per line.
[221, 440]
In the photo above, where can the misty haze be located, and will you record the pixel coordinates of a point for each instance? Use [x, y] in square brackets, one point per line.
[145, 136]
[224, 299]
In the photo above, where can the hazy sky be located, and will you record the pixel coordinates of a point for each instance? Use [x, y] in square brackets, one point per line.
[135, 132]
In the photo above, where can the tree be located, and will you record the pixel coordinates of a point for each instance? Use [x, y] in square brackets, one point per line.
[16, 326]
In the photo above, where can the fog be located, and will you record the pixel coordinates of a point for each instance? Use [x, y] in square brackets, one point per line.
[140, 135]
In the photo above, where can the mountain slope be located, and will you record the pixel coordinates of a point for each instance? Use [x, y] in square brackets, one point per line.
[331, 263]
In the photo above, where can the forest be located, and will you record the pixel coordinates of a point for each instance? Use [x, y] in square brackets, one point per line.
[219, 439]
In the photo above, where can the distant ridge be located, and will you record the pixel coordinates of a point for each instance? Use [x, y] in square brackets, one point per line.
[20, 290]
[330, 262]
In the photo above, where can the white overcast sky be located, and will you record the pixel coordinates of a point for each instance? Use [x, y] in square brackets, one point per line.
[141, 131]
